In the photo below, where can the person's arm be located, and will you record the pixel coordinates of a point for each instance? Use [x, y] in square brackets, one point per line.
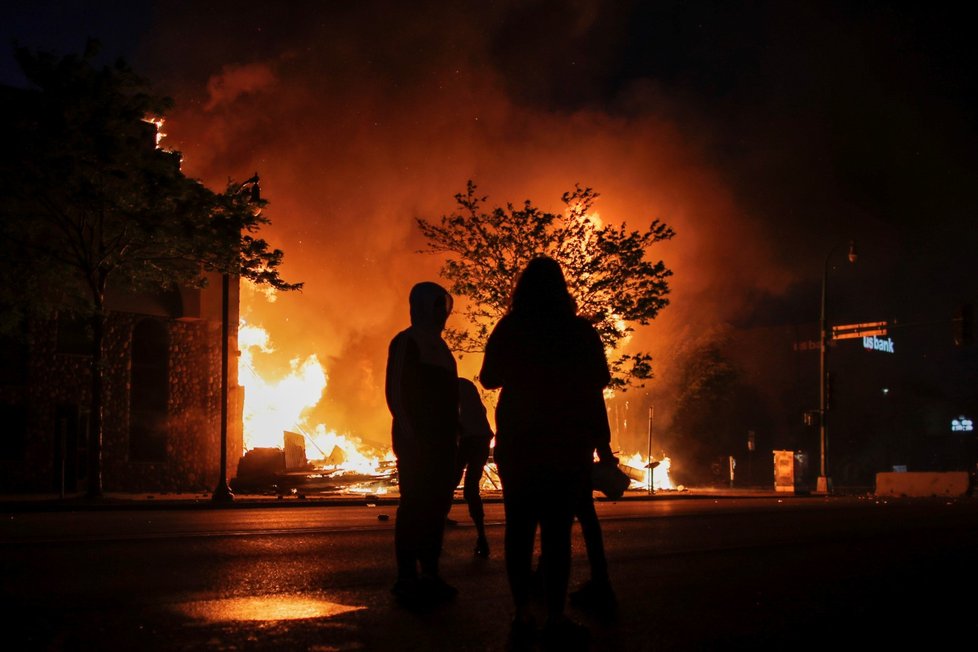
[602, 434]
[491, 374]
[601, 376]
[402, 362]
[599, 362]
[472, 411]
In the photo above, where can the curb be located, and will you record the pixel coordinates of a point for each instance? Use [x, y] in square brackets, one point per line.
[126, 502]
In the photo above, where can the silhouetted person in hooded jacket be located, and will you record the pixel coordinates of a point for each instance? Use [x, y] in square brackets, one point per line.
[422, 395]
[550, 365]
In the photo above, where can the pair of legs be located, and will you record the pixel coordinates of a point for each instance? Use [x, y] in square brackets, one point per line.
[596, 595]
[545, 498]
[473, 453]
[426, 492]
[587, 516]
[591, 531]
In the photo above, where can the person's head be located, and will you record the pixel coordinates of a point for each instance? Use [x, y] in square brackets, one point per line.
[431, 304]
[542, 290]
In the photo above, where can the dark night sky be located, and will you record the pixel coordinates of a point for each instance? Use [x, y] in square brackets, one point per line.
[765, 132]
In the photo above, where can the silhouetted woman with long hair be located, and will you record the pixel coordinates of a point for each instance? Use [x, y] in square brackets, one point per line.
[550, 365]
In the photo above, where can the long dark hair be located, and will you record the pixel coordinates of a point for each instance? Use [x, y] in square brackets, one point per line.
[541, 292]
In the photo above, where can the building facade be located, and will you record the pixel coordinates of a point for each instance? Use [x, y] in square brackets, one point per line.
[161, 401]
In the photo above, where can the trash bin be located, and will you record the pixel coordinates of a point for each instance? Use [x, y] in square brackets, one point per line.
[790, 471]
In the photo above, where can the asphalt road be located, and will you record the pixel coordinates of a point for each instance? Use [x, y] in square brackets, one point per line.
[793, 573]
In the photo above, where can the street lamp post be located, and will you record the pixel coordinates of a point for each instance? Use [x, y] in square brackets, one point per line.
[824, 485]
[650, 466]
[222, 492]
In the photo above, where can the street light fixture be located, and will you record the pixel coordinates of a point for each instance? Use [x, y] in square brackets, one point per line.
[824, 485]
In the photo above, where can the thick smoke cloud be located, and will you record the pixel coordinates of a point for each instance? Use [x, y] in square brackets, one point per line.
[359, 121]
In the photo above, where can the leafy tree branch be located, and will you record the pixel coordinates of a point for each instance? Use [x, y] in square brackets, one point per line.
[606, 266]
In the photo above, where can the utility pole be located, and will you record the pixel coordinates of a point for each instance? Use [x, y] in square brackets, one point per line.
[222, 493]
[650, 465]
[750, 456]
[824, 485]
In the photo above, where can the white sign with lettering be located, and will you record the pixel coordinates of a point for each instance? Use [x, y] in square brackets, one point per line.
[962, 424]
[874, 343]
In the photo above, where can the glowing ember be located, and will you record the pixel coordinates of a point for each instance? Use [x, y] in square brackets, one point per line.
[158, 123]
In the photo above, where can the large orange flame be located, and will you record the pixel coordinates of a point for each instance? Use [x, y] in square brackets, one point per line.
[274, 407]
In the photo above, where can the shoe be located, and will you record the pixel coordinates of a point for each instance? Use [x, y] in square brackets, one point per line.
[409, 592]
[564, 634]
[451, 522]
[597, 597]
[437, 589]
[522, 635]
[482, 548]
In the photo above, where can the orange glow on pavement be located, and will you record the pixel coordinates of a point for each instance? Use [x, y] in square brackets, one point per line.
[264, 608]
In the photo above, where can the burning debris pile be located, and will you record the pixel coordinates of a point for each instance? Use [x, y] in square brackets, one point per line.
[282, 471]
[313, 460]
[286, 471]
[647, 474]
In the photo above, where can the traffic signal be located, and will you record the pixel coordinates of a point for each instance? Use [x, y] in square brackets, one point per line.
[964, 325]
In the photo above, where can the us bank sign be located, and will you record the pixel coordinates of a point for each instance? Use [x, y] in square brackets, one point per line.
[874, 343]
